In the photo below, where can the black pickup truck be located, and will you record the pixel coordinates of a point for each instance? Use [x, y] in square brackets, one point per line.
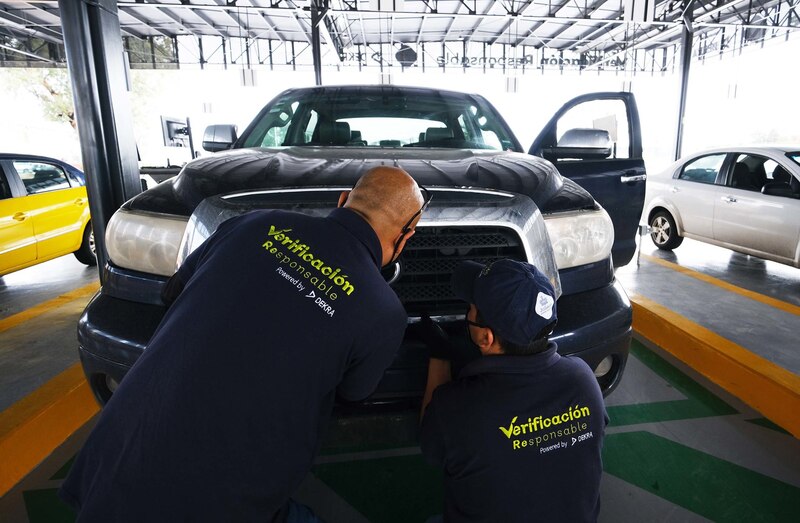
[570, 205]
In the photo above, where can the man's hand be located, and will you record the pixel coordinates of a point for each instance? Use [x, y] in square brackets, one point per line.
[436, 339]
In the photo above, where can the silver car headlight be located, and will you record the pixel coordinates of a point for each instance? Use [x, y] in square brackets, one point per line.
[580, 237]
[146, 242]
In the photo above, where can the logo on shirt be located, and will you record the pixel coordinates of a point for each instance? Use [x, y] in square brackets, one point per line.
[298, 258]
[550, 430]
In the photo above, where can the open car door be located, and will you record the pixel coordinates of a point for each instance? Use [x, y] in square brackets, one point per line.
[596, 140]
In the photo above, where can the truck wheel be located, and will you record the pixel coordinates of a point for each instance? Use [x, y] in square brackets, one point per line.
[664, 232]
[86, 252]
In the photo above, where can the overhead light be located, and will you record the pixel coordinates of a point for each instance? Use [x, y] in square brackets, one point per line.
[248, 77]
[512, 84]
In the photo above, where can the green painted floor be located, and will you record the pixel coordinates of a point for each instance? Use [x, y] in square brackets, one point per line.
[677, 449]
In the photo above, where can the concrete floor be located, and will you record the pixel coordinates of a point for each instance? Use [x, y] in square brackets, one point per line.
[678, 448]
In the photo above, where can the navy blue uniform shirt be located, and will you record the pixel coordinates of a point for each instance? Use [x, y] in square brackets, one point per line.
[220, 418]
[518, 439]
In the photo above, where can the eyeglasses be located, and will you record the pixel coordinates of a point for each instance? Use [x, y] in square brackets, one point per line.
[426, 197]
[473, 323]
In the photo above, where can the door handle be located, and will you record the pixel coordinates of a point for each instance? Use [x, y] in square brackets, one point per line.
[674, 189]
[729, 199]
[635, 178]
[80, 201]
[20, 216]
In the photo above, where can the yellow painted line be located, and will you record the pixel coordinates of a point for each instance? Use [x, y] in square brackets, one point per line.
[772, 302]
[37, 424]
[765, 386]
[37, 310]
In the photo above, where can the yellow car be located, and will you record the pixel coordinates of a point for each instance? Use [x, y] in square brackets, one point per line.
[44, 212]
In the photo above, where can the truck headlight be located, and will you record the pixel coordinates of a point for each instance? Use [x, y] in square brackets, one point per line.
[580, 237]
[145, 242]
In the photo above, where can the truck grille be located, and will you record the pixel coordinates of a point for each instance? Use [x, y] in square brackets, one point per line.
[431, 255]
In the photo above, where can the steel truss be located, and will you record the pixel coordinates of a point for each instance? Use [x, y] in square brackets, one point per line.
[584, 35]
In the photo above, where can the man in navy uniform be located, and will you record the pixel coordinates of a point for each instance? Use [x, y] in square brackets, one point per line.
[275, 315]
[519, 433]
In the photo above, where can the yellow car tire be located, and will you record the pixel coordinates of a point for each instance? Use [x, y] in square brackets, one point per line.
[86, 252]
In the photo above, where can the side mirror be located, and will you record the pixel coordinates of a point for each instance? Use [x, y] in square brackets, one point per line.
[219, 137]
[582, 144]
[778, 189]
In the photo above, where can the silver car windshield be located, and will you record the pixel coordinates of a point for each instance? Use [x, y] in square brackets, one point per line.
[375, 117]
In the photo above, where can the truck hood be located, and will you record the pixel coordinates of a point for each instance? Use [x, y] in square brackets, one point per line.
[254, 169]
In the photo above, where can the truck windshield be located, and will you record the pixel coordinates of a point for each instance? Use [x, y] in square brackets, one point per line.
[379, 117]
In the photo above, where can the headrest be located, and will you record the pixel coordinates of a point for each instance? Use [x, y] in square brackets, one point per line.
[741, 175]
[781, 175]
[45, 174]
[437, 133]
[355, 135]
[334, 133]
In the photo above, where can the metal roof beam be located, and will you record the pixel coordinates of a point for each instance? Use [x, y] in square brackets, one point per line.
[585, 13]
[31, 28]
[236, 16]
[175, 18]
[480, 19]
[132, 13]
[27, 54]
[512, 12]
[539, 23]
[211, 23]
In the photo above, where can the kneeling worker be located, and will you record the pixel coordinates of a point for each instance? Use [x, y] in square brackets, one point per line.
[519, 433]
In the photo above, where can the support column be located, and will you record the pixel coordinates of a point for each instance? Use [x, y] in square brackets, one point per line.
[96, 65]
[318, 10]
[687, 40]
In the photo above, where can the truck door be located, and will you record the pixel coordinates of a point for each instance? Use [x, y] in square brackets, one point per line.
[595, 140]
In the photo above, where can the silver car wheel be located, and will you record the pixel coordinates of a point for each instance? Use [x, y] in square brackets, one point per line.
[664, 232]
[661, 230]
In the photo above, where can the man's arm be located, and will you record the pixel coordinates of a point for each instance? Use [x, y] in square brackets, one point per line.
[440, 350]
[438, 374]
[431, 437]
[375, 349]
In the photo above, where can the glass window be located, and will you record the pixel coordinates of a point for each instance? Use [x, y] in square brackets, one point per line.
[769, 168]
[41, 177]
[5, 189]
[76, 178]
[704, 169]
[375, 131]
[749, 172]
[380, 118]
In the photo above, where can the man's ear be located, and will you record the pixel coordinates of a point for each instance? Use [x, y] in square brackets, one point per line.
[487, 342]
[343, 198]
[403, 237]
[485, 339]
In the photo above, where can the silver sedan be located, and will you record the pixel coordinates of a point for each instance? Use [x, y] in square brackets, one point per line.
[746, 199]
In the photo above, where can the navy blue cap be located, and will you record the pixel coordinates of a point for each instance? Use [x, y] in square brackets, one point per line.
[514, 298]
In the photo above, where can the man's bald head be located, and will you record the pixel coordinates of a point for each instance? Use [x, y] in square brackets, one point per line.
[387, 197]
